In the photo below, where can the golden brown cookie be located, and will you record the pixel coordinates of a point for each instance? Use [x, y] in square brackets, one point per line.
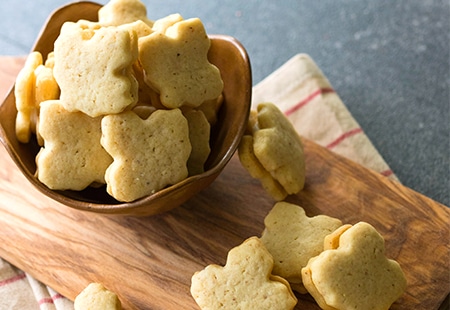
[72, 157]
[93, 67]
[356, 274]
[272, 151]
[96, 297]
[177, 67]
[279, 148]
[199, 133]
[119, 12]
[253, 166]
[139, 27]
[24, 92]
[162, 24]
[293, 238]
[149, 154]
[245, 282]
[46, 89]
[211, 109]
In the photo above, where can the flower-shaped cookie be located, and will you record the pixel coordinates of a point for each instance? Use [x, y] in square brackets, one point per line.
[163, 23]
[356, 274]
[245, 282]
[199, 134]
[93, 67]
[72, 156]
[273, 153]
[177, 67]
[139, 27]
[96, 296]
[148, 153]
[24, 92]
[46, 89]
[293, 238]
[119, 12]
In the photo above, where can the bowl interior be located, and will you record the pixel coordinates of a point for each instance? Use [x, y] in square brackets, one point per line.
[225, 52]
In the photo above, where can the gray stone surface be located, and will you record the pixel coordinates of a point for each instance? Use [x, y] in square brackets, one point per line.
[388, 60]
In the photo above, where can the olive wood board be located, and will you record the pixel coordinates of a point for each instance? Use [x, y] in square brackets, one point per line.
[149, 261]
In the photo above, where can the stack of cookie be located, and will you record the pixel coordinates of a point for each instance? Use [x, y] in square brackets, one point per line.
[272, 151]
[129, 102]
[341, 266]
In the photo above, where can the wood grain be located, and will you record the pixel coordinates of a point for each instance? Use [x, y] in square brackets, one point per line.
[149, 261]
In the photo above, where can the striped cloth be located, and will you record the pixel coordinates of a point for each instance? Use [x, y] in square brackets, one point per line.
[306, 97]
[304, 94]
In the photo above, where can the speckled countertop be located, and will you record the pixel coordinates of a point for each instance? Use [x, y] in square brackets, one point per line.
[388, 60]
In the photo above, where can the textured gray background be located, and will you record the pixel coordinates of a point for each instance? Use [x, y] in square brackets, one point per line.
[388, 60]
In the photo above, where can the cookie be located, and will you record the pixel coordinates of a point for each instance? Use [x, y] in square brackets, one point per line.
[163, 23]
[211, 109]
[356, 274]
[144, 111]
[253, 166]
[93, 68]
[50, 61]
[94, 73]
[245, 282]
[146, 95]
[293, 238]
[119, 12]
[271, 144]
[46, 86]
[46, 89]
[176, 65]
[199, 134]
[96, 297]
[149, 154]
[331, 241]
[139, 27]
[279, 149]
[72, 157]
[24, 92]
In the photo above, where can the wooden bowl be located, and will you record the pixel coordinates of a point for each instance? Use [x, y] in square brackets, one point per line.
[225, 52]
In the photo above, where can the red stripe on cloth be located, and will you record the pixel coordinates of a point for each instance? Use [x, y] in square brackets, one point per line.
[309, 98]
[57, 296]
[47, 300]
[12, 279]
[344, 136]
[50, 300]
[387, 173]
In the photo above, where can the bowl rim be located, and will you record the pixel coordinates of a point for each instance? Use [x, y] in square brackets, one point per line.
[127, 208]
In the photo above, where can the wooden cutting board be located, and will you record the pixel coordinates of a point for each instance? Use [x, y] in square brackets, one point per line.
[149, 261]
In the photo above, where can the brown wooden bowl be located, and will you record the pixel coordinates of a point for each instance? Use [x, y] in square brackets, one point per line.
[225, 52]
